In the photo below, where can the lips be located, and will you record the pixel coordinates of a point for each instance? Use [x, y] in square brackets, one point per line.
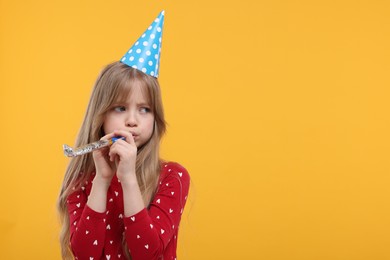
[134, 134]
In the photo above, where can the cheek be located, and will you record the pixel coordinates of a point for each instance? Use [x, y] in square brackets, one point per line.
[108, 123]
[151, 125]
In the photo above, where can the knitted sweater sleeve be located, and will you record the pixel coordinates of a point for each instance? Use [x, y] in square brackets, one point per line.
[149, 231]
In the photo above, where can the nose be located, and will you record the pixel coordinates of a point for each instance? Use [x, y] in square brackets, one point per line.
[131, 119]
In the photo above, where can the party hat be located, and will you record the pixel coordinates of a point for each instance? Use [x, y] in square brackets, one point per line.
[144, 55]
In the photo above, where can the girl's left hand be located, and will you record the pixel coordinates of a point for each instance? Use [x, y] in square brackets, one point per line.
[124, 154]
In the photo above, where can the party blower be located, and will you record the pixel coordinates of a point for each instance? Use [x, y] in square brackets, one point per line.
[73, 152]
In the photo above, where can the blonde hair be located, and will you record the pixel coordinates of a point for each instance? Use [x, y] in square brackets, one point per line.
[114, 84]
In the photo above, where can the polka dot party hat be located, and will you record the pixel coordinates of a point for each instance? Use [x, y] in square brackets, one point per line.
[144, 55]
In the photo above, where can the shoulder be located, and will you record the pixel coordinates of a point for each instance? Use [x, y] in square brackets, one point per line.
[174, 182]
[174, 170]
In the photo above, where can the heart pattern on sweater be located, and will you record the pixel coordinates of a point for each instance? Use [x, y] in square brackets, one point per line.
[172, 196]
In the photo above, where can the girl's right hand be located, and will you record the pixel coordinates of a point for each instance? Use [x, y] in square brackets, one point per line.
[105, 169]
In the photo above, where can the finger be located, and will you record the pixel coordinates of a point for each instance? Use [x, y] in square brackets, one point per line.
[112, 154]
[120, 148]
[113, 157]
[129, 137]
[108, 136]
[114, 136]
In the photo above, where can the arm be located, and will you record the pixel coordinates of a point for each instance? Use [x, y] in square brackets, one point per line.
[87, 213]
[124, 154]
[148, 232]
[87, 227]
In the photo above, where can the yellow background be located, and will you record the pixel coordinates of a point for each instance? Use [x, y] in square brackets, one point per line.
[278, 109]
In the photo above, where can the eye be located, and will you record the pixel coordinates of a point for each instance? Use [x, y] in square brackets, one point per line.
[144, 110]
[119, 108]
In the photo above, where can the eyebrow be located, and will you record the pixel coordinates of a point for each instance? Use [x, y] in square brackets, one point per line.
[126, 103]
[143, 104]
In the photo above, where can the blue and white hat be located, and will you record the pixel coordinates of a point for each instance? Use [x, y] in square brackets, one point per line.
[144, 55]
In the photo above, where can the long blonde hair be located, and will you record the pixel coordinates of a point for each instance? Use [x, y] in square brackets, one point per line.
[113, 85]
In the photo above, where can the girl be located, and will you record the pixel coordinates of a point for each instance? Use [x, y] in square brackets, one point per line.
[122, 202]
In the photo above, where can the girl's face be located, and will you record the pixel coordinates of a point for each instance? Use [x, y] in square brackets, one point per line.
[134, 115]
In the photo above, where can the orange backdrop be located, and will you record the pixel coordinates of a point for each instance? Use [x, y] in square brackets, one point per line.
[278, 109]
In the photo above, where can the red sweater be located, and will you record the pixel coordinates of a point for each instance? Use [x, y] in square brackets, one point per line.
[150, 234]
